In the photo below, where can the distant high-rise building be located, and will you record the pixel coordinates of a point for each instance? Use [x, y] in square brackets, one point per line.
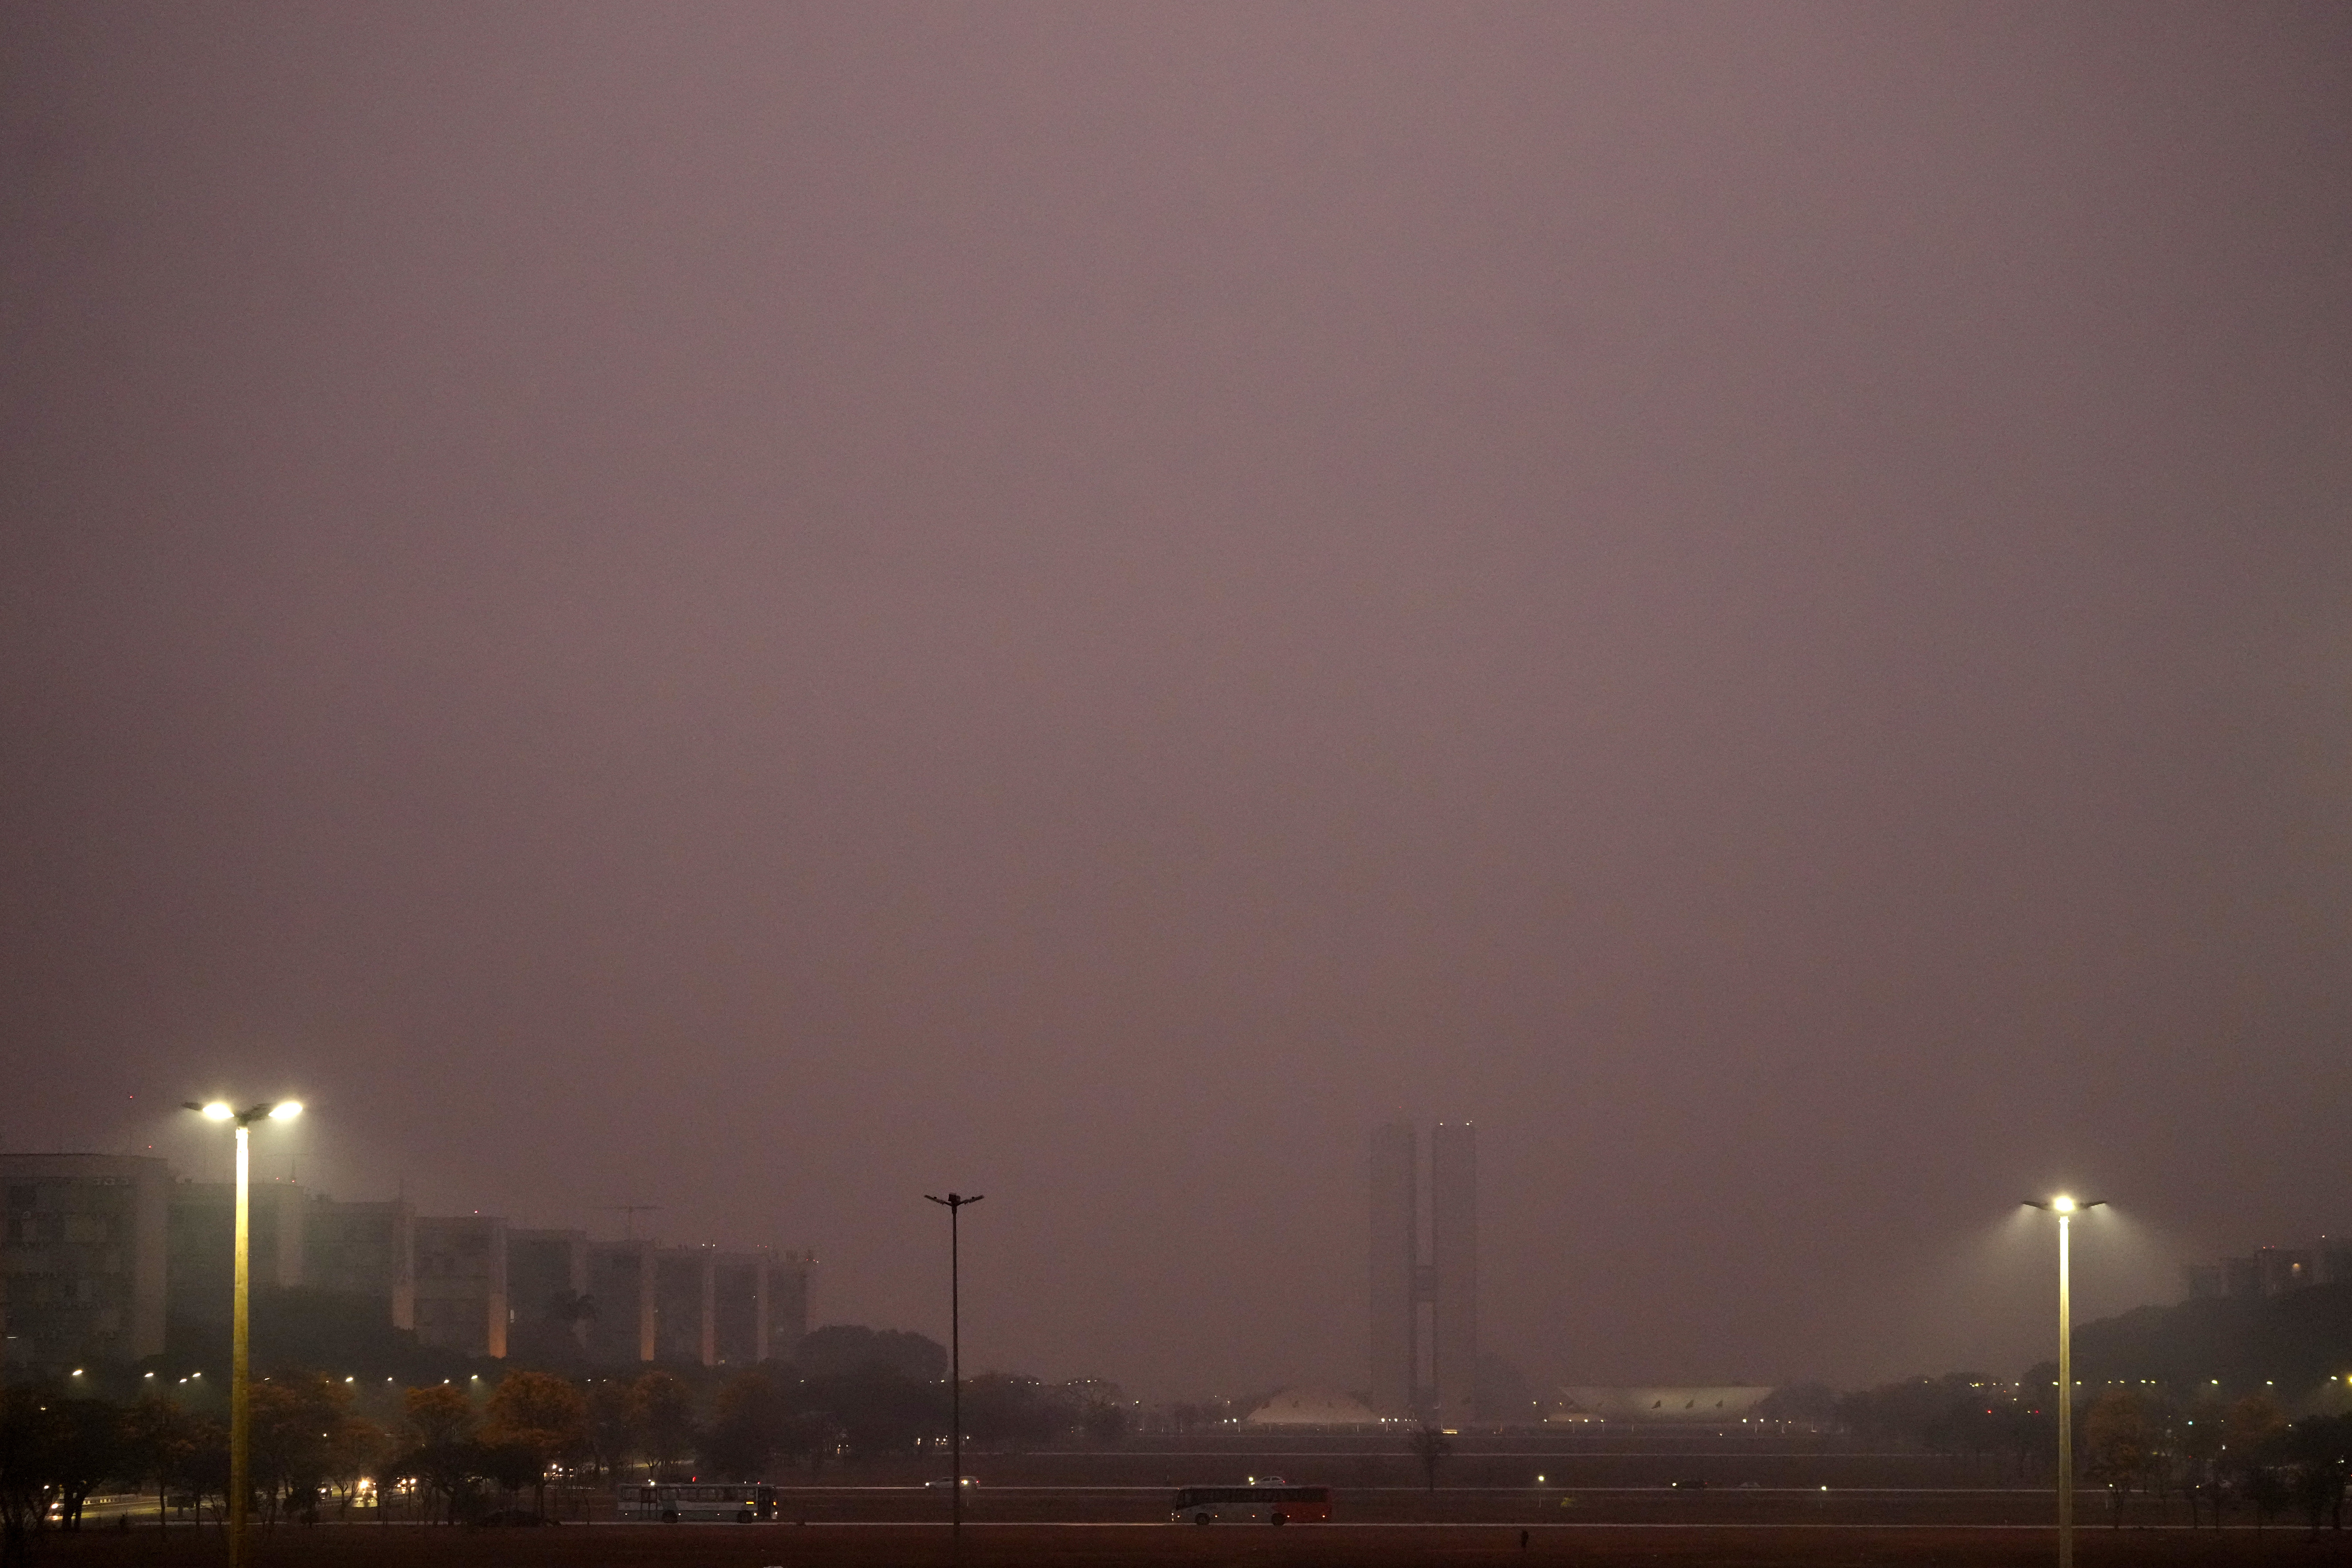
[1453, 1265]
[1424, 1315]
[201, 1276]
[2284, 1268]
[366, 1248]
[740, 1287]
[788, 1302]
[2272, 1271]
[694, 1304]
[82, 1259]
[1395, 1271]
[461, 1283]
[548, 1303]
[685, 1288]
[620, 1285]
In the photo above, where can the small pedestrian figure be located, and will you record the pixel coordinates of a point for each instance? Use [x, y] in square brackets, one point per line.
[1523, 1540]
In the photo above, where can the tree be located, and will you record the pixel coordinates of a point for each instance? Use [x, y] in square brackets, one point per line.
[540, 1414]
[748, 1427]
[293, 1438]
[1956, 1413]
[1801, 1404]
[205, 1473]
[842, 1349]
[86, 1451]
[879, 1411]
[1006, 1410]
[553, 1336]
[28, 1432]
[158, 1440]
[614, 1425]
[436, 1414]
[2027, 1426]
[572, 1309]
[1432, 1448]
[2321, 1448]
[2253, 1434]
[2202, 1434]
[666, 1418]
[444, 1457]
[355, 1445]
[2119, 1445]
[1105, 1423]
[514, 1466]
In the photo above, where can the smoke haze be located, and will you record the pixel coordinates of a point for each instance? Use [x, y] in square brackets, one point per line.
[765, 609]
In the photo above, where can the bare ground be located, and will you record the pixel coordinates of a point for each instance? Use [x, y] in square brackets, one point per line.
[1135, 1546]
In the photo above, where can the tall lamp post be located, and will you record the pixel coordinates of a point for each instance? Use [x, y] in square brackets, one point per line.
[954, 1202]
[2066, 1209]
[240, 1398]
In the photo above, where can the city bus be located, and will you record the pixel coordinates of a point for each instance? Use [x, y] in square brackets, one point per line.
[666, 1502]
[1272, 1502]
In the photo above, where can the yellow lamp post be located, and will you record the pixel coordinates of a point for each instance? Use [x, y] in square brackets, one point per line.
[2066, 1209]
[240, 1400]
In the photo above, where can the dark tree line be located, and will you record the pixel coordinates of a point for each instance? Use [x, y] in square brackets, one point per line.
[2216, 1455]
[449, 1453]
[2130, 1440]
[1959, 1413]
[57, 1448]
[762, 1418]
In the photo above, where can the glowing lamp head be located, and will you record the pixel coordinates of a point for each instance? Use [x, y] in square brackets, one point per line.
[2062, 1204]
[286, 1111]
[216, 1111]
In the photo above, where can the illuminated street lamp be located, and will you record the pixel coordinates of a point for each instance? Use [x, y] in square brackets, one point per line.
[954, 1202]
[240, 1401]
[2066, 1209]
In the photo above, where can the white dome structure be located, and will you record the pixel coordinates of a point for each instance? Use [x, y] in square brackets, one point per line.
[1304, 1407]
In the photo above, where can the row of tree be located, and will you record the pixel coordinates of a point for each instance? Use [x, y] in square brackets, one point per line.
[308, 1445]
[2211, 1453]
[313, 1446]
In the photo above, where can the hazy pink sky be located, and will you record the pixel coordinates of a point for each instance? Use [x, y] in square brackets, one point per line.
[768, 608]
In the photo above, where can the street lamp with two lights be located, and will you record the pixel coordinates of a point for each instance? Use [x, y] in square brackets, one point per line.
[240, 1401]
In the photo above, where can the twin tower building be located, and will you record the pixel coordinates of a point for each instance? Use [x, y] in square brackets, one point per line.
[1424, 1276]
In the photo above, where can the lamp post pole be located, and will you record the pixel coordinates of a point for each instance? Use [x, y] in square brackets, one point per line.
[954, 1202]
[2065, 1400]
[2066, 1209]
[240, 1365]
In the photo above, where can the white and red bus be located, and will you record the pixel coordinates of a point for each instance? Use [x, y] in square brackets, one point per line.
[667, 1503]
[1266, 1502]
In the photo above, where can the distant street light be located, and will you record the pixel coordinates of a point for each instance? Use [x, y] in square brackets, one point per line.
[240, 1401]
[954, 1202]
[2066, 1209]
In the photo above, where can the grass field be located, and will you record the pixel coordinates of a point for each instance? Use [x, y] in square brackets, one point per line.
[1598, 1502]
[1147, 1546]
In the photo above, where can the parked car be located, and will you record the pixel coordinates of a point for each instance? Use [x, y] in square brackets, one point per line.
[512, 1516]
